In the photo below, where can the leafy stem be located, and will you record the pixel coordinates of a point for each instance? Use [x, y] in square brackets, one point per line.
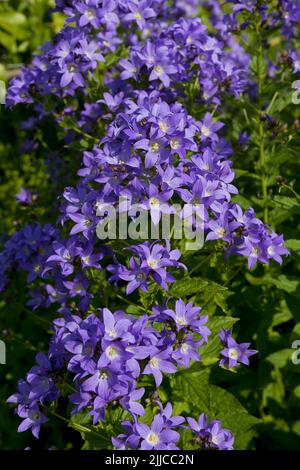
[261, 130]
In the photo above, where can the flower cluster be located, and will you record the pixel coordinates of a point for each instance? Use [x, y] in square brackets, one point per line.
[27, 250]
[159, 435]
[162, 433]
[37, 389]
[107, 356]
[153, 262]
[211, 435]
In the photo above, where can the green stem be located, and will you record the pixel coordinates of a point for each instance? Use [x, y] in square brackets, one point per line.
[263, 171]
[205, 260]
[134, 304]
[260, 59]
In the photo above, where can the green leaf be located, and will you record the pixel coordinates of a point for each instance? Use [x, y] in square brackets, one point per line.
[280, 358]
[295, 333]
[296, 391]
[296, 427]
[193, 387]
[293, 245]
[288, 284]
[7, 41]
[224, 406]
[281, 102]
[188, 286]
[14, 23]
[202, 397]
[288, 203]
[283, 282]
[239, 173]
[94, 437]
[259, 66]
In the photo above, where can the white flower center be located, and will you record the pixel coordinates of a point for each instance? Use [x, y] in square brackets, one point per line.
[181, 320]
[67, 255]
[103, 375]
[35, 416]
[90, 14]
[112, 352]
[254, 251]
[152, 263]
[221, 232]
[206, 131]
[154, 362]
[163, 126]
[217, 439]
[233, 353]
[153, 201]
[175, 144]
[88, 350]
[112, 333]
[154, 147]
[37, 268]
[159, 69]
[152, 438]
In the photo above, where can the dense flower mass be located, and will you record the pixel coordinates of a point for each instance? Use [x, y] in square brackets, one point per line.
[143, 82]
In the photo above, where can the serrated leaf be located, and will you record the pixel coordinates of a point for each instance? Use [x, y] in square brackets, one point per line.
[258, 65]
[193, 387]
[287, 203]
[217, 403]
[188, 286]
[94, 437]
[224, 406]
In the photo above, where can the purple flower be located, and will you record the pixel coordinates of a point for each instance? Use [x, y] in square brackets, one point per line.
[234, 353]
[24, 196]
[210, 435]
[139, 12]
[130, 401]
[71, 73]
[114, 327]
[209, 128]
[186, 316]
[33, 418]
[158, 435]
[160, 362]
[157, 203]
[153, 260]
